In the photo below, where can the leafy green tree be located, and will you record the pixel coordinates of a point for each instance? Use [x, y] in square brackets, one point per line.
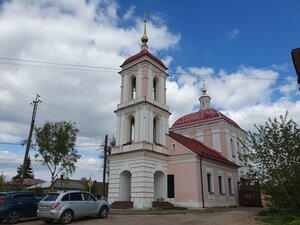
[55, 147]
[273, 160]
[28, 170]
[2, 182]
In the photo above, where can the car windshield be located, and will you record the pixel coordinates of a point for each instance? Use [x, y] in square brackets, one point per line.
[51, 197]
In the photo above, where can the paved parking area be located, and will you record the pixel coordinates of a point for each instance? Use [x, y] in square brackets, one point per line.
[234, 216]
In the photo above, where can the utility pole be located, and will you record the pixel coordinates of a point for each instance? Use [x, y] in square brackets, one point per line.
[104, 165]
[35, 104]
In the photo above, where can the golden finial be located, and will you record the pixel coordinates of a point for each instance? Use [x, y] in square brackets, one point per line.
[145, 38]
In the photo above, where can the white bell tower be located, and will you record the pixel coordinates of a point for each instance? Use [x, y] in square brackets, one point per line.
[138, 162]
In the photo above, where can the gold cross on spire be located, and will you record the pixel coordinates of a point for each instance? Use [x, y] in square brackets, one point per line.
[145, 15]
[204, 88]
[145, 38]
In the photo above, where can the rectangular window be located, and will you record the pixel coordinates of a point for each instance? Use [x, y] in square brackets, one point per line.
[209, 183]
[230, 187]
[173, 146]
[171, 192]
[221, 189]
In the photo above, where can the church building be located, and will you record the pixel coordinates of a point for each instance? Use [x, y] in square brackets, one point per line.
[193, 164]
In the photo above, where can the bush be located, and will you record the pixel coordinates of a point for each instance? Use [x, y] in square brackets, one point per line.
[275, 217]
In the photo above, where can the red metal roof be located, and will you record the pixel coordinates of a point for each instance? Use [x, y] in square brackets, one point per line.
[140, 54]
[199, 148]
[206, 115]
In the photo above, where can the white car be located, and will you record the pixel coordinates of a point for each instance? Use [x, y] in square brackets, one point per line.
[64, 206]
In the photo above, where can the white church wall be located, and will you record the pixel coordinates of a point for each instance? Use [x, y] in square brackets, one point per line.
[142, 171]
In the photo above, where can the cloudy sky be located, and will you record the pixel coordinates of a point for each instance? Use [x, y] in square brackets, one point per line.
[69, 53]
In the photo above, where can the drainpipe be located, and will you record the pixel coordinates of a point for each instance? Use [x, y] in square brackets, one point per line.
[202, 192]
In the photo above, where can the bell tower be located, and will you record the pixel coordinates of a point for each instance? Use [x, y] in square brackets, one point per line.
[138, 162]
[204, 99]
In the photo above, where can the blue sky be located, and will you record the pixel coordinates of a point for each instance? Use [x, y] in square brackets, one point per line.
[241, 48]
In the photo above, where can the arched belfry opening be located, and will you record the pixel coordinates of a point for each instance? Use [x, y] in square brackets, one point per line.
[155, 89]
[131, 128]
[125, 186]
[156, 130]
[133, 88]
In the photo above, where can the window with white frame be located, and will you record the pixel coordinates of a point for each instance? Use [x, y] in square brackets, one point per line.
[230, 186]
[221, 184]
[210, 186]
[173, 146]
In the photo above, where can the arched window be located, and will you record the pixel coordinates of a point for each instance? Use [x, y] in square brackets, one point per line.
[156, 130]
[131, 129]
[133, 88]
[154, 92]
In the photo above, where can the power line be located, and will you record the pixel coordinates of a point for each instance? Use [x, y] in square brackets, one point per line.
[77, 146]
[60, 64]
[8, 143]
[55, 67]
[111, 69]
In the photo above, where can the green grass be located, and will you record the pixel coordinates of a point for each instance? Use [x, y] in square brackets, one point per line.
[280, 218]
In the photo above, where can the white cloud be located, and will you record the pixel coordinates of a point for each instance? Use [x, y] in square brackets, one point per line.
[283, 67]
[260, 113]
[167, 60]
[129, 13]
[86, 167]
[85, 32]
[90, 34]
[245, 95]
[289, 87]
[233, 34]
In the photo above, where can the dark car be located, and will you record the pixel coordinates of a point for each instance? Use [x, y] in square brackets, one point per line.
[17, 205]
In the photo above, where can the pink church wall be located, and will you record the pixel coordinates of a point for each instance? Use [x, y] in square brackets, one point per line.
[179, 150]
[144, 81]
[186, 181]
[186, 173]
[208, 138]
[218, 167]
[223, 142]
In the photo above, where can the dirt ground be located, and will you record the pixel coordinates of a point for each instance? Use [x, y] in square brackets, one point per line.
[234, 216]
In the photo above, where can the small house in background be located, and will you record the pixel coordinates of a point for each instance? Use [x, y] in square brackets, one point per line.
[27, 182]
[69, 184]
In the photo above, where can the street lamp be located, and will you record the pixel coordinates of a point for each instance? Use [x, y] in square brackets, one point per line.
[296, 60]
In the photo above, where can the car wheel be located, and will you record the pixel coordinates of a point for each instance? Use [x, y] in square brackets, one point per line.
[66, 217]
[103, 212]
[47, 221]
[13, 216]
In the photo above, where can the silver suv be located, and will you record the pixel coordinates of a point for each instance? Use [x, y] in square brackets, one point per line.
[64, 206]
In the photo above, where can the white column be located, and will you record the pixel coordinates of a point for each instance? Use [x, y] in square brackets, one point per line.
[216, 139]
[150, 82]
[139, 82]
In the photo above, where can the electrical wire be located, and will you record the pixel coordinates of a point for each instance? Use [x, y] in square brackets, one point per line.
[61, 64]
[99, 147]
[114, 70]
